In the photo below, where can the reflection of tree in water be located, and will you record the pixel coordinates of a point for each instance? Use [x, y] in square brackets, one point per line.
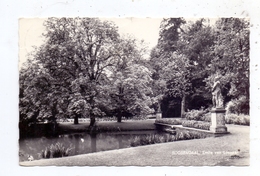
[120, 143]
[93, 137]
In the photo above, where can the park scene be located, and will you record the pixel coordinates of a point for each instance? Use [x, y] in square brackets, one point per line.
[91, 93]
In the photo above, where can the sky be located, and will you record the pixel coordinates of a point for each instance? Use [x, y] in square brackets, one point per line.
[31, 29]
[147, 29]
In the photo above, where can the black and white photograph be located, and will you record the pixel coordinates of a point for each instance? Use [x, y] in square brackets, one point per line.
[130, 87]
[171, 91]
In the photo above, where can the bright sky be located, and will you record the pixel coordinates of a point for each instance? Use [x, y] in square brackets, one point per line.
[147, 29]
[30, 32]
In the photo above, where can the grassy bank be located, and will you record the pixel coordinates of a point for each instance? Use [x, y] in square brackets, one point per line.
[103, 126]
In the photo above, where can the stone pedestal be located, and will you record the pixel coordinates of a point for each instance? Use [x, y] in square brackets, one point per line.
[158, 115]
[218, 120]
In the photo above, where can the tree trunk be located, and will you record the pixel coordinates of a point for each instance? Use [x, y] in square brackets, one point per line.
[119, 118]
[183, 102]
[92, 115]
[92, 121]
[76, 119]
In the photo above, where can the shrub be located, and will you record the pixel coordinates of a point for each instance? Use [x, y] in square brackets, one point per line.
[206, 117]
[238, 106]
[237, 119]
[187, 135]
[195, 114]
[151, 139]
[196, 124]
[55, 151]
[46, 153]
[170, 121]
[162, 138]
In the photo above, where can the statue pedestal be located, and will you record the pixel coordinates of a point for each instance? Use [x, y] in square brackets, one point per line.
[158, 115]
[218, 120]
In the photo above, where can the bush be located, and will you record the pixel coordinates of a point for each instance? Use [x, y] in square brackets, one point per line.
[162, 138]
[206, 117]
[187, 135]
[237, 119]
[196, 124]
[238, 106]
[169, 121]
[194, 114]
[151, 139]
[55, 151]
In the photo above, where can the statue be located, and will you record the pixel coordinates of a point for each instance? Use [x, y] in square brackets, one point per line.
[217, 98]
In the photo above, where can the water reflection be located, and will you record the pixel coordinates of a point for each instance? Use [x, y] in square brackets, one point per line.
[93, 137]
[81, 143]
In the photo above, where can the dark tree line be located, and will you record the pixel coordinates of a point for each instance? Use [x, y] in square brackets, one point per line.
[190, 54]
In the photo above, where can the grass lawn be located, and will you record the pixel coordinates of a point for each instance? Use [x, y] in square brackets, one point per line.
[109, 126]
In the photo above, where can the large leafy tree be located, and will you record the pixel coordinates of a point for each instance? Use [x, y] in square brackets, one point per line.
[129, 81]
[75, 50]
[196, 43]
[161, 58]
[184, 52]
[231, 57]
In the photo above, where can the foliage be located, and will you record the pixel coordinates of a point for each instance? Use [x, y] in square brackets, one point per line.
[71, 74]
[206, 117]
[129, 82]
[202, 51]
[151, 139]
[55, 151]
[199, 115]
[162, 138]
[240, 119]
[161, 59]
[196, 124]
[187, 135]
[230, 57]
[185, 57]
[86, 69]
[170, 121]
[234, 59]
[238, 106]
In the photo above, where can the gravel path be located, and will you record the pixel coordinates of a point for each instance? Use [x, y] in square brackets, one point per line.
[231, 149]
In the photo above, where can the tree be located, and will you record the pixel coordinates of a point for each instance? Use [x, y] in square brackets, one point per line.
[73, 48]
[178, 83]
[231, 56]
[129, 88]
[169, 34]
[196, 43]
[184, 53]
[41, 97]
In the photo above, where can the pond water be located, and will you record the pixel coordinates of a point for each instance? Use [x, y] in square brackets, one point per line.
[81, 143]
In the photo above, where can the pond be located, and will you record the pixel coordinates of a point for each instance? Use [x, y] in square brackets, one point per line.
[80, 143]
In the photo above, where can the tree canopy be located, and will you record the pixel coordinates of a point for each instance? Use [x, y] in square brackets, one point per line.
[68, 73]
[85, 68]
[190, 54]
